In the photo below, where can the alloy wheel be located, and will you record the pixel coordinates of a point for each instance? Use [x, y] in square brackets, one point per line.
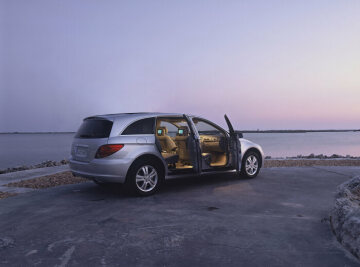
[251, 165]
[146, 178]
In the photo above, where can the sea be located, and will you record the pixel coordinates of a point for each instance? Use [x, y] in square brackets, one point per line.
[33, 148]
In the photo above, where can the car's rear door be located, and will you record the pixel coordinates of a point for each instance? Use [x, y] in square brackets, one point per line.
[235, 146]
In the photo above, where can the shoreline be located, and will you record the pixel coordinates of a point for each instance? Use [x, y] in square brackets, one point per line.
[44, 164]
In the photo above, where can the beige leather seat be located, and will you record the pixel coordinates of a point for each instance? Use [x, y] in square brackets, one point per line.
[167, 144]
[181, 141]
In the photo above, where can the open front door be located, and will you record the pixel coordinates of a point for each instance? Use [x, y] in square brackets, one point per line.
[235, 146]
[194, 146]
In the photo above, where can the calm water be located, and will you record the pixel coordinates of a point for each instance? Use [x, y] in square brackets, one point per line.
[27, 149]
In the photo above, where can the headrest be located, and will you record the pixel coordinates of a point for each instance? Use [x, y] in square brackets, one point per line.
[161, 131]
[183, 131]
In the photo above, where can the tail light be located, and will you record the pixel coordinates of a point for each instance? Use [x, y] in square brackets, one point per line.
[107, 150]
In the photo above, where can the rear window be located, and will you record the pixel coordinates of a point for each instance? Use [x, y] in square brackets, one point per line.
[144, 126]
[94, 129]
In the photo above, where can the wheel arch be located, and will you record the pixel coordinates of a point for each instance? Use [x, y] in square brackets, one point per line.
[150, 157]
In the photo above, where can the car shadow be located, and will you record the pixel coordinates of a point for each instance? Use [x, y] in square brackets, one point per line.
[171, 185]
[194, 182]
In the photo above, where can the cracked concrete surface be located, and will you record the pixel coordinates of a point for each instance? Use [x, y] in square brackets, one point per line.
[277, 219]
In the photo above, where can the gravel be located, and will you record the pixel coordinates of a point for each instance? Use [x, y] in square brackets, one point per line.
[57, 179]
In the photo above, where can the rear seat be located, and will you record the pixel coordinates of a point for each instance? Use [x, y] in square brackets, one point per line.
[181, 141]
[168, 146]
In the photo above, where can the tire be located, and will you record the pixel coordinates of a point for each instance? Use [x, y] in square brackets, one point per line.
[250, 166]
[144, 178]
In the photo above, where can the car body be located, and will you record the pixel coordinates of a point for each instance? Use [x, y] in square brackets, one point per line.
[107, 147]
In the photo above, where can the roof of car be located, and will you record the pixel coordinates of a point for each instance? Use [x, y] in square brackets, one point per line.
[124, 119]
[137, 115]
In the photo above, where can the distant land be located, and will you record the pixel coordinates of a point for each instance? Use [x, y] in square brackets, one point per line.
[242, 131]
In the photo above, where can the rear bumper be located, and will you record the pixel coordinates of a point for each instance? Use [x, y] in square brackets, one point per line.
[102, 170]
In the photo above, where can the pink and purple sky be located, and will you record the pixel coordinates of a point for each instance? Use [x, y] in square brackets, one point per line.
[267, 64]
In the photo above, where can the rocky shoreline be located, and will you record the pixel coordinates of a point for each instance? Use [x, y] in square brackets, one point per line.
[271, 163]
[62, 178]
[319, 156]
[44, 164]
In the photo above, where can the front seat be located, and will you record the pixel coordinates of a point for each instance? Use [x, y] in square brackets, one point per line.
[181, 141]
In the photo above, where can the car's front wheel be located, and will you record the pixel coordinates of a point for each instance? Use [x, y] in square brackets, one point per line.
[144, 178]
[250, 166]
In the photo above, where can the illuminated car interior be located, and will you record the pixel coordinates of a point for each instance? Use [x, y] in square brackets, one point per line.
[173, 135]
[213, 143]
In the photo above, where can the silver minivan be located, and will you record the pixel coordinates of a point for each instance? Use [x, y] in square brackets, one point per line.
[141, 150]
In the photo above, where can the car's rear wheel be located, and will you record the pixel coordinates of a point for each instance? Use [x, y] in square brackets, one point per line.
[250, 166]
[144, 178]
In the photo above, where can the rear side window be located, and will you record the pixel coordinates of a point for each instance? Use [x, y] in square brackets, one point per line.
[144, 126]
[94, 129]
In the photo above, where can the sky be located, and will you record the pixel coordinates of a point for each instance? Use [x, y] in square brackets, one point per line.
[266, 64]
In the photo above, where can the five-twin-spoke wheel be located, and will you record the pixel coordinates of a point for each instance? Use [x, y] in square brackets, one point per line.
[144, 177]
[250, 164]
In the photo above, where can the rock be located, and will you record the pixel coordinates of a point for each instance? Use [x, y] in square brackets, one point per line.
[64, 161]
[345, 216]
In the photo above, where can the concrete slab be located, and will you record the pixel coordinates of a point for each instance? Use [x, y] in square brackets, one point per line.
[29, 174]
[277, 219]
[17, 190]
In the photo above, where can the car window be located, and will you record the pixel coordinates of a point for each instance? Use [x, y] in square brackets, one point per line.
[94, 128]
[144, 126]
[205, 128]
[172, 129]
[173, 125]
